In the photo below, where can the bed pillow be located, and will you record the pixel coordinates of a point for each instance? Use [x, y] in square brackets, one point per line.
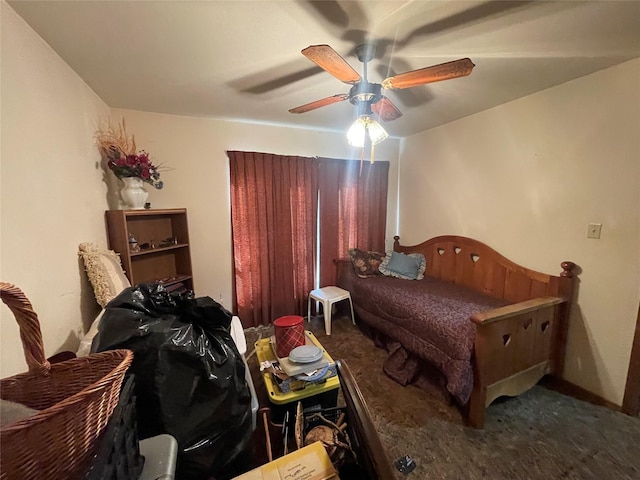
[365, 263]
[400, 265]
[104, 271]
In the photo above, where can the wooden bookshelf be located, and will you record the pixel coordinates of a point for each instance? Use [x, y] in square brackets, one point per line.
[169, 261]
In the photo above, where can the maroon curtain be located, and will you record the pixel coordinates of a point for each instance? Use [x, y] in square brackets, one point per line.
[273, 215]
[353, 210]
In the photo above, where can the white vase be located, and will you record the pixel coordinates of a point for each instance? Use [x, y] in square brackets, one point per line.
[133, 194]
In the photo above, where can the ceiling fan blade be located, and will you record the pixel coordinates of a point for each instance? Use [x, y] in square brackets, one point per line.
[407, 97]
[320, 103]
[435, 73]
[386, 110]
[328, 59]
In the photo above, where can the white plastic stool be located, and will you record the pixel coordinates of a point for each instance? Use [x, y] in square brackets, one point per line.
[328, 296]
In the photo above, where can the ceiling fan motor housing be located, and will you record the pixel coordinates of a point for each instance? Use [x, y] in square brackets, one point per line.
[365, 92]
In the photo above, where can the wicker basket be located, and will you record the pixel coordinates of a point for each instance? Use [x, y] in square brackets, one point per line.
[75, 398]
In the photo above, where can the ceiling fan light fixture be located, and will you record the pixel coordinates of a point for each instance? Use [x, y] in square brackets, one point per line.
[363, 126]
[357, 131]
[376, 132]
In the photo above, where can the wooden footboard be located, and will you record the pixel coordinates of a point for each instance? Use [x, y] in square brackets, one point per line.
[516, 345]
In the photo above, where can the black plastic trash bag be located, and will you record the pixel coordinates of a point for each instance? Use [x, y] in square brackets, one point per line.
[190, 378]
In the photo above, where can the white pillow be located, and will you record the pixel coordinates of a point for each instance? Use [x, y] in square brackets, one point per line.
[104, 271]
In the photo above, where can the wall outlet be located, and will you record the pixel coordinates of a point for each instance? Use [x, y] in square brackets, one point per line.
[594, 230]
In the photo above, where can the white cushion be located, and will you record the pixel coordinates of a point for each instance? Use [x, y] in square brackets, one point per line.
[85, 344]
[104, 271]
[237, 333]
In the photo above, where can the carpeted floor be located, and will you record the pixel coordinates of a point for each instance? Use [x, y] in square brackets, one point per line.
[541, 434]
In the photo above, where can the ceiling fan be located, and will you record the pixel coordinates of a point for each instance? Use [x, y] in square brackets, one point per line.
[367, 96]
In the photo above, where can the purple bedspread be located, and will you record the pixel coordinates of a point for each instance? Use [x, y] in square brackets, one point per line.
[428, 318]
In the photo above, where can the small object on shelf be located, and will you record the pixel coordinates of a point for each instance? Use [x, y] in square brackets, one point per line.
[148, 245]
[167, 279]
[133, 243]
[167, 242]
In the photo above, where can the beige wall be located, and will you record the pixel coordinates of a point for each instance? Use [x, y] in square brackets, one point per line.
[51, 192]
[527, 178]
[195, 150]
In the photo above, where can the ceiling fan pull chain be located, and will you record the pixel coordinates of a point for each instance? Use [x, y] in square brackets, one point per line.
[361, 159]
[372, 147]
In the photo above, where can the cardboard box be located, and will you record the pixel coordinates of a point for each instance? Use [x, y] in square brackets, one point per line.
[308, 463]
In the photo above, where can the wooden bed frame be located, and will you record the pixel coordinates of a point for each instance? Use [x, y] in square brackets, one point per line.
[515, 345]
[364, 437]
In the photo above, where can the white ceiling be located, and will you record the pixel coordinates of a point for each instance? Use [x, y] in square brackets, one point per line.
[241, 59]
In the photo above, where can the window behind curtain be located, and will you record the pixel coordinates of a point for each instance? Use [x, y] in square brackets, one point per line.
[274, 223]
[353, 210]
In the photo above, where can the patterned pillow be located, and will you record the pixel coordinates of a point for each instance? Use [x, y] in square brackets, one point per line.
[365, 263]
[400, 265]
[104, 271]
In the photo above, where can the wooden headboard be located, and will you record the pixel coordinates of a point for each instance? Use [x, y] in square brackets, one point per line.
[473, 264]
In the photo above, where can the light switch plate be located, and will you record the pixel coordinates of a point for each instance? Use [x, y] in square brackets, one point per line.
[594, 230]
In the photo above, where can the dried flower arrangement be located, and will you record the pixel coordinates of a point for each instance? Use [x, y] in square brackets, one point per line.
[122, 157]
